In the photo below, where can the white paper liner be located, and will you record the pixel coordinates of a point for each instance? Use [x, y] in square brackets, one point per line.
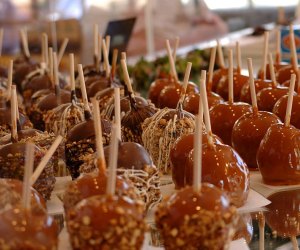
[64, 243]
[266, 190]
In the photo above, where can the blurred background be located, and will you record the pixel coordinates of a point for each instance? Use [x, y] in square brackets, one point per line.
[75, 18]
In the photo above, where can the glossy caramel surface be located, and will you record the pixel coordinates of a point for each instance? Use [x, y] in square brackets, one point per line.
[223, 167]
[24, 229]
[280, 109]
[266, 98]
[259, 85]
[278, 156]
[283, 213]
[223, 117]
[284, 73]
[247, 133]
[156, 87]
[238, 82]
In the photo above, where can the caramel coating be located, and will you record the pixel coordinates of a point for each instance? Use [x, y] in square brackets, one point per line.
[170, 95]
[223, 117]
[283, 213]
[244, 228]
[223, 167]
[11, 195]
[27, 229]
[136, 166]
[247, 133]
[193, 220]
[21, 70]
[276, 66]
[191, 102]
[106, 222]
[238, 82]
[217, 75]
[12, 162]
[259, 85]
[179, 154]
[280, 109]
[266, 98]
[156, 87]
[96, 86]
[284, 74]
[278, 156]
[88, 185]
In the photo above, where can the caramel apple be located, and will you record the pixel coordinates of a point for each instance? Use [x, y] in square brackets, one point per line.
[110, 222]
[156, 87]
[11, 195]
[260, 84]
[91, 184]
[279, 109]
[278, 153]
[283, 213]
[266, 98]
[278, 157]
[80, 141]
[222, 166]
[179, 154]
[22, 228]
[249, 129]
[239, 81]
[135, 166]
[193, 219]
[170, 95]
[12, 160]
[191, 102]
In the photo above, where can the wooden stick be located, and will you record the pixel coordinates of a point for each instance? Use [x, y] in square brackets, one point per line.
[290, 101]
[211, 67]
[14, 88]
[278, 46]
[126, 76]
[25, 43]
[123, 56]
[96, 42]
[13, 110]
[265, 54]
[293, 49]
[45, 55]
[51, 68]
[62, 50]
[28, 169]
[177, 40]
[105, 55]
[45, 160]
[220, 55]
[9, 79]
[100, 48]
[114, 63]
[198, 151]
[281, 15]
[117, 112]
[107, 43]
[1, 40]
[252, 87]
[295, 243]
[238, 57]
[171, 61]
[230, 77]
[261, 222]
[185, 82]
[272, 71]
[98, 131]
[56, 78]
[83, 88]
[203, 95]
[72, 76]
[113, 160]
